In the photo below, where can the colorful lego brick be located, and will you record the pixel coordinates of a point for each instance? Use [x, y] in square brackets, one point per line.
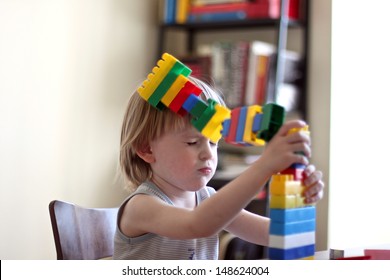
[158, 74]
[177, 103]
[304, 129]
[175, 88]
[292, 215]
[296, 173]
[231, 136]
[252, 126]
[177, 69]
[291, 254]
[292, 240]
[213, 129]
[226, 127]
[284, 185]
[287, 201]
[201, 122]
[239, 139]
[292, 228]
[190, 103]
[273, 119]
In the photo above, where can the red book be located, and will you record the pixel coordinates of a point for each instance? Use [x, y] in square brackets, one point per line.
[262, 8]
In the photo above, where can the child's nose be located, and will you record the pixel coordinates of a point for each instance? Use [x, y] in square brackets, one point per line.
[206, 152]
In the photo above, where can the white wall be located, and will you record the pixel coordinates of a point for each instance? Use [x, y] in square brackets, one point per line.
[66, 71]
[359, 195]
[319, 92]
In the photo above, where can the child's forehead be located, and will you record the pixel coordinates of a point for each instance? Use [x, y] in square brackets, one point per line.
[188, 131]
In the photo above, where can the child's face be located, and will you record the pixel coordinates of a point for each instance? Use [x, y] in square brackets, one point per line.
[184, 159]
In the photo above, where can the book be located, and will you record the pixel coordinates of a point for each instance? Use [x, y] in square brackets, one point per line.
[257, 49]
[182, 10]
[288, 94]
[231, 12]
[213, 2]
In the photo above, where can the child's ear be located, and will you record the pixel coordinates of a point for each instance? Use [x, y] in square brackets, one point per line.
[146, 154]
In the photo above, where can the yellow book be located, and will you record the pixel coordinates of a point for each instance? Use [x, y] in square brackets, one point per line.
[182, 8]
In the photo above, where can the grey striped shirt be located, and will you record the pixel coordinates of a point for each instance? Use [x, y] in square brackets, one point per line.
[155, 247]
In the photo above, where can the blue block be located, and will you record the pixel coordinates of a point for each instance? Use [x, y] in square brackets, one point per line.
[226, 127]
[257, 122]
[292, 228]
[291, 254]
[190, 102]
[241, 124]
[297, 166]
[292, 214]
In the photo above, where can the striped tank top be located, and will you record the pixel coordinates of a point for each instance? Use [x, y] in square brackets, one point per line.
[155, 247]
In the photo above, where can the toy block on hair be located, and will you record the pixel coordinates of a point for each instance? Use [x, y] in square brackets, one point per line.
[175, 88]
[177, 103]
[213, 129]
[177, 69]
[158, 74]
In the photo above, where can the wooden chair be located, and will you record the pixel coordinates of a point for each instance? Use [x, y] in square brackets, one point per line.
[82, 233]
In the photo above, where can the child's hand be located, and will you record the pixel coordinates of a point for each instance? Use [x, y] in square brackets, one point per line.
[285, 149]
[313, 181]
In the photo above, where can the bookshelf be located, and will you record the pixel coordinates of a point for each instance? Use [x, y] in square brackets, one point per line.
[281, 27]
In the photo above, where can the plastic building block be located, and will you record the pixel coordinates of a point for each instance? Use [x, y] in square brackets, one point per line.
[190, 103]
[231, 136]
[292, 215]
[241, 125]
[292, 228]
[158, 74]
[297, 173]
[177, 103]
[292, 240]
[172, 92]
[213, 129]
[177, 69]
[281, 185]
[252, 126]
[291, 254]
[273, 119]
[287, 201]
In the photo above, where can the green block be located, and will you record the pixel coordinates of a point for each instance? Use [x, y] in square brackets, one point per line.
[177, 69]
[201, 122]
[273, 119]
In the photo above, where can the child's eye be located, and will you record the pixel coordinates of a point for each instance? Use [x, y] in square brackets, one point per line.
[191, 143]
[213, 144]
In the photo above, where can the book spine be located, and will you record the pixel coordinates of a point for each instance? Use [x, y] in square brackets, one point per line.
[212, 17]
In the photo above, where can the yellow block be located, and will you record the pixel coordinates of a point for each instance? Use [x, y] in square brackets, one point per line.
[287, 201]
[284, 184]
[172, 92]
[295, 129]
[213, 128]
[249, 136]
[158, 74]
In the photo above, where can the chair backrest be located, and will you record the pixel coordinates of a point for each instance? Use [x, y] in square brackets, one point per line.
[82, 233]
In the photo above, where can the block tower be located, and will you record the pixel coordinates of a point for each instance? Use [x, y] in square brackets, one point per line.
[292, 228]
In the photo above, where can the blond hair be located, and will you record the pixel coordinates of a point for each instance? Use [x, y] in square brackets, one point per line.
[142, 124]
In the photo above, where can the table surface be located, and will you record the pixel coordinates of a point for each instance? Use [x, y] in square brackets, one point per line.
[351, 252]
